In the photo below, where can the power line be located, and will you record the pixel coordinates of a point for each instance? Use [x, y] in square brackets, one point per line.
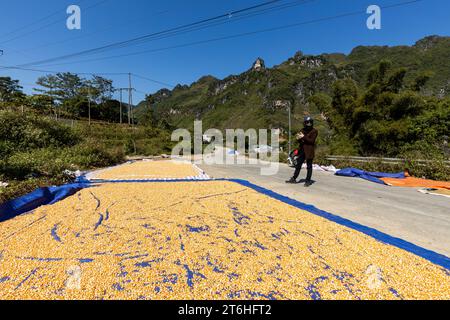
[17, 51]
[55, 72]
[142, 92]
[144, 37]
[124, 24]
[245, 16]
[35, 22]
[239, 35]
[152, 80]
[175, 33]
[50, 24]
[230, 15]
[213, 24]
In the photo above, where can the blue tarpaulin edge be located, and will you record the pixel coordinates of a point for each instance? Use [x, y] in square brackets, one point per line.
[370, 176]
[39, 197]
[429, 255]
[52, 195]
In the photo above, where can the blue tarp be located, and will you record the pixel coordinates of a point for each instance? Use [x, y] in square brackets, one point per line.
[371, 176]
[40, 197]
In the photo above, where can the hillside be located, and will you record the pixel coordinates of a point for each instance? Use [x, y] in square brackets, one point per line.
[258, 98]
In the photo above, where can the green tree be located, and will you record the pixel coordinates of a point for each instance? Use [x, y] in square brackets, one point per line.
[322, 102]
[10, 90]
[345, 96]
[420, 81]
[395, 81]
[103, 88]
[41, 103]
[378, 73]
[61, 86]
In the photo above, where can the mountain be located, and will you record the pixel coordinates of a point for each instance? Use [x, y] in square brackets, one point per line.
[260, 96]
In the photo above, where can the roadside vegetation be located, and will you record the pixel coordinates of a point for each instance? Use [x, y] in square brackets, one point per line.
[47, 137]
[387, 118]
[37, 151]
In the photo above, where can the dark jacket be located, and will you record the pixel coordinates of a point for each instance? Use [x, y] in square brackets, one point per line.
[308, 143]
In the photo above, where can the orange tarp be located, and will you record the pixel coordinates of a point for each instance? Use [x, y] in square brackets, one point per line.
[417, 183]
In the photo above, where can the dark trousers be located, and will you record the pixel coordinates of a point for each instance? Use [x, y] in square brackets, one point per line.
[298, 168]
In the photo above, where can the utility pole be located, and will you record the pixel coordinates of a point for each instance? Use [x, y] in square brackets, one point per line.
[130, 99]
[89, 104]
[131, 107]
[120, 105]
[290, 126]
[149, 107]
[53, 102]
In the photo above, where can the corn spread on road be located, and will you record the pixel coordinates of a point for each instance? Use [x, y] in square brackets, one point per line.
[199, 240]
[149, 170]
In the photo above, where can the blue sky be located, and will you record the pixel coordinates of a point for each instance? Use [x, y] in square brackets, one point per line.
[109, 21]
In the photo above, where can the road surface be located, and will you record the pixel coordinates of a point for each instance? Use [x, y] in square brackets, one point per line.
[400, 212]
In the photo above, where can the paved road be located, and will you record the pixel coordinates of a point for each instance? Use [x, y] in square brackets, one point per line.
[401, 212]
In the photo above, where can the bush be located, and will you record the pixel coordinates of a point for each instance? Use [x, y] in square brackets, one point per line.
[52, 162]
[92, 154]
[36, 152]
[36, 163]
[21, 132]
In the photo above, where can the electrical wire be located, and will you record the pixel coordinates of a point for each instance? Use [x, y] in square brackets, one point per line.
[35, 22]
[125, 24]
[144, 37]
[56, 72]
[152, 80]
[239, 35]
[48, 25]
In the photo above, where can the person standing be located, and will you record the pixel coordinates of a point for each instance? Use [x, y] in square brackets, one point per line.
[307, 145]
